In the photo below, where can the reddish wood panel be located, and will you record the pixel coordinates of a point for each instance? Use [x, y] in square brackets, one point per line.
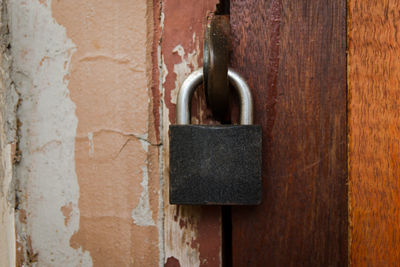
[293, 55]
[192, 234]
[374, 132]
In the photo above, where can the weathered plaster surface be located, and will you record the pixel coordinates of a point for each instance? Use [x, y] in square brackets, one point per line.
[88, 180]
[7, 221]
[96, 98]
[116, 149]
[45, 175]
[8, 104]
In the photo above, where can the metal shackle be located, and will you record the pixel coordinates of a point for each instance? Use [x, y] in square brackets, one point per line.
[195, 78]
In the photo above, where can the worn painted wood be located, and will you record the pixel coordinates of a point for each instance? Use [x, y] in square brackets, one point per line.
[374, 132]
[293, 55]
[192, 235]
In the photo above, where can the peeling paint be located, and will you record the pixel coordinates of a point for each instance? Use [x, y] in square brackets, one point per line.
[9, 100]
[185, 67]
[7, 219]
[189, 256]
[162, 74]
[67, 212]
[46, 173]
[186, 223]
[110, 77]
[144, 141]
[172, 262]
[180, 55]
[94, 169]
[91, 144]
[164, 71]
[142, 214]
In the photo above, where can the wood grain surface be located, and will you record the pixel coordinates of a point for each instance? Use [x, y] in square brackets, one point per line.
[293, 55]
[374, 132]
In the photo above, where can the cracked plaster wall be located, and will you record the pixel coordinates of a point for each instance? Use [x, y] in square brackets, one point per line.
[87, 182]
[8, 104]
[93, 106]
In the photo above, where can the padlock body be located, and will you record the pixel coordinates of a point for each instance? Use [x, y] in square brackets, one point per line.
[215, 165]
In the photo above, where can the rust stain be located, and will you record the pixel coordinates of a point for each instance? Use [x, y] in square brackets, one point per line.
[32, 255]
[20, 256]
[43, 2]
[67, 212]
[172, 262]
[43, 60]
[22, 215]
[13, 151]
[182, 223]
[108, 80]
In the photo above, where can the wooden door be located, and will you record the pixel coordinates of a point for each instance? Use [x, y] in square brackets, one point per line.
[293, 55]
[330, 124]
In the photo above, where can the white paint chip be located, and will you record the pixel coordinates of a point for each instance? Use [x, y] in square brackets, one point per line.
[91, 145]
[142, 214]
[183, 69]
[144, 142]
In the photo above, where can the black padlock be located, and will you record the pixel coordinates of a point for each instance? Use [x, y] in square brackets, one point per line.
[215, 164]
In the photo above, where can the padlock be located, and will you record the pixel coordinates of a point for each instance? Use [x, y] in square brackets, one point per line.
[215, 164]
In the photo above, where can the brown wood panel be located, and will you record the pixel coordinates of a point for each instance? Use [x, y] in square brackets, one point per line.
[374, 132]
[293, 54]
